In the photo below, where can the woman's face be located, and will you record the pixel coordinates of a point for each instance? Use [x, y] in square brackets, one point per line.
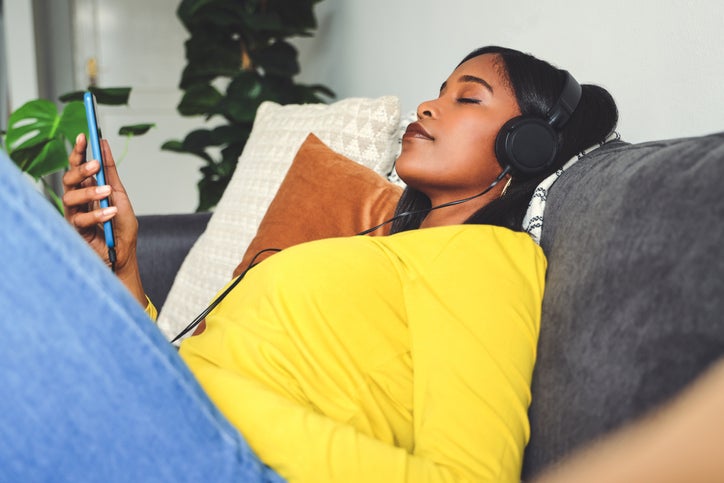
[449, 153]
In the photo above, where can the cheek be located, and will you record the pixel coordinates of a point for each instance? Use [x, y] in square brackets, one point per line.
[476, 149]
[476, 125]
[473, 168]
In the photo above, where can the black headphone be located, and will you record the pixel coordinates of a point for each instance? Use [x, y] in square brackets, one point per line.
[527, 145]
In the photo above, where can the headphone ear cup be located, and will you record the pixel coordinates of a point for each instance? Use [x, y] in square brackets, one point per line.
[528, 145]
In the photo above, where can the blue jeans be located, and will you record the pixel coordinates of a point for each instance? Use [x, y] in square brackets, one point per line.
[91, 391]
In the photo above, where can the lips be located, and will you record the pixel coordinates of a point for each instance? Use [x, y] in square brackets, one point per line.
[416, 131]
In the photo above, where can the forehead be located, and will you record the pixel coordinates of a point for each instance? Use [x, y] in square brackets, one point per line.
[489, 67]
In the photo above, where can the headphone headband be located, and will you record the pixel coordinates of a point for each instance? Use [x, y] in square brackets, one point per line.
[560, 113]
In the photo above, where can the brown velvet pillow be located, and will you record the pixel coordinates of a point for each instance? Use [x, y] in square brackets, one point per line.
[323, 195]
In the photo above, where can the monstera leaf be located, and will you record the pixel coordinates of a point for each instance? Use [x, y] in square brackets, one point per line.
[38, 135]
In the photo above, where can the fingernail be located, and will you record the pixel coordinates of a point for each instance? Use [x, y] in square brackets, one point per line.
[103, 190]
[111, 210]
[89, 166]
[78, 138]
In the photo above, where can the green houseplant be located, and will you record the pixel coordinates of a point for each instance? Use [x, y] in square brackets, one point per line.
[39, 136]
[238, 57]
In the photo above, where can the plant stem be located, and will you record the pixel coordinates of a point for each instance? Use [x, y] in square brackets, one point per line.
[125, 150]
[57, 202]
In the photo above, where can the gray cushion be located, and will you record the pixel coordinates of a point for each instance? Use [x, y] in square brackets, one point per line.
[635, 288]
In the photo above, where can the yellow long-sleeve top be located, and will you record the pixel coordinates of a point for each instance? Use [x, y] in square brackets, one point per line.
[405, 358]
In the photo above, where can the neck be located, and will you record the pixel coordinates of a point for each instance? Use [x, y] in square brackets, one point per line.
[457, 214]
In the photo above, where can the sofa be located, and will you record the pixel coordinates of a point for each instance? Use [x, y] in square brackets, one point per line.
[634, 302]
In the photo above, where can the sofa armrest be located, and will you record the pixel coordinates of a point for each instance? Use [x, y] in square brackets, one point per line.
[163, 242]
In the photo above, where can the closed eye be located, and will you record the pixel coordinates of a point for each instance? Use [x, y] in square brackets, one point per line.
[468, 100]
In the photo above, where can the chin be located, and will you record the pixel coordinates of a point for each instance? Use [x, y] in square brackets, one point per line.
[405, 177]
[405, 169]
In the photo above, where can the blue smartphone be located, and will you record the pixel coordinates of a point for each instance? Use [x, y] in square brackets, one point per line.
[94, 139]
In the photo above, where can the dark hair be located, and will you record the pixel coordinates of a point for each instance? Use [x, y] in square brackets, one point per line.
[536, 85]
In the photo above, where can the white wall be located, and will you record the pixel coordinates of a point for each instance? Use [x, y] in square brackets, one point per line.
[140, 44]
[663, 60]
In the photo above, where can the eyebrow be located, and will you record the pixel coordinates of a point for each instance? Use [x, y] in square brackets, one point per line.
[471, 78]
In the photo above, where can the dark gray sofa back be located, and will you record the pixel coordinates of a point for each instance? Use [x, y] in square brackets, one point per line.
[163, 243]
[634, 302]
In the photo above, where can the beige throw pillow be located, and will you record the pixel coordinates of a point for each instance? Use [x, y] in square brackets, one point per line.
[361, 129]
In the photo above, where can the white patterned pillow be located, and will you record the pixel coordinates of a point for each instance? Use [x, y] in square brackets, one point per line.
[362, 129]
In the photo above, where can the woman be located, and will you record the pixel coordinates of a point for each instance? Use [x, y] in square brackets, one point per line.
[535, 86]
[401, 358]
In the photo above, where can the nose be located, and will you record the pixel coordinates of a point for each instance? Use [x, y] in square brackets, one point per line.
[426, 109]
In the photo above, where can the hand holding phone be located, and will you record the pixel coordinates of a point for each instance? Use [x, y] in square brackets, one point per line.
[94, 139]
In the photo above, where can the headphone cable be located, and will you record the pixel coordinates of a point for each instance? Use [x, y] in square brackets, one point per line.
[443, 205]
[218, 299]
[238, 279]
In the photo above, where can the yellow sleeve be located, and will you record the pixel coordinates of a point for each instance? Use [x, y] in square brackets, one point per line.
[473, 349]
[151, 310]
